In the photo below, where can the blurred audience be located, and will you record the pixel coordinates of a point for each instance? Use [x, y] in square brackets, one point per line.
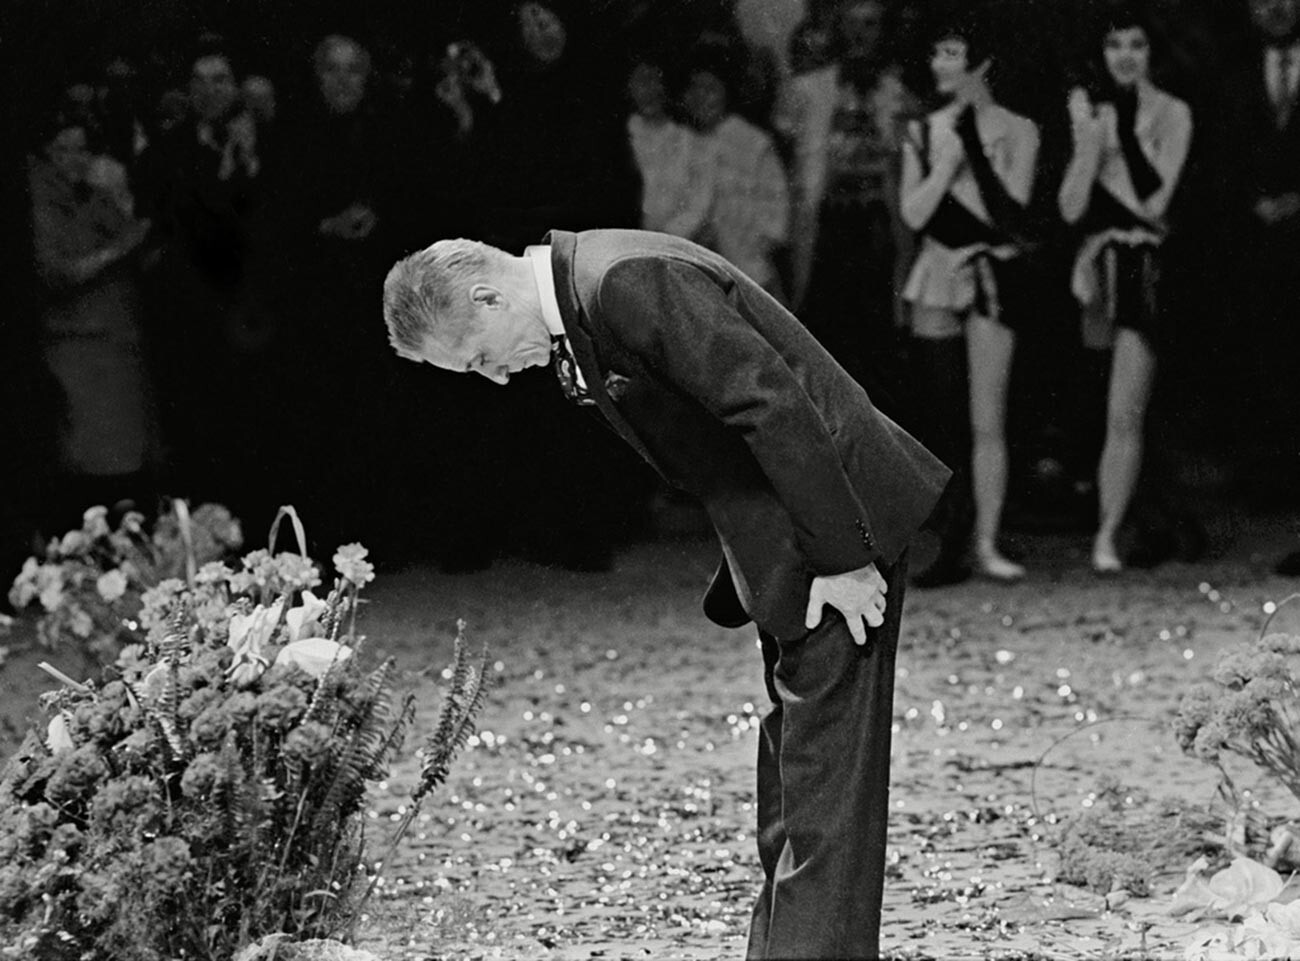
[749, 218]
[842, 109]
[790, 136]
[676, 184]
[85, 238]
[1260, 170]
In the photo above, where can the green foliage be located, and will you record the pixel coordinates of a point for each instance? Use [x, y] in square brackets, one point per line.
[209, 790]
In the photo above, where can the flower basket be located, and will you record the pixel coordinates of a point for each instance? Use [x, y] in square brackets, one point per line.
[207, 792]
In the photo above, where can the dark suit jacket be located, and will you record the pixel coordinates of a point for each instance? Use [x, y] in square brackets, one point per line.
[731, 399]
[1259, 159]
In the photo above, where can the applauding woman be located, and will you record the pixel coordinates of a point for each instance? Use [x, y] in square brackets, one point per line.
[1130, 142]
[968, 170]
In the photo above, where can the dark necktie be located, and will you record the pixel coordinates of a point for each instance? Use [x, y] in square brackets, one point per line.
[566, 370]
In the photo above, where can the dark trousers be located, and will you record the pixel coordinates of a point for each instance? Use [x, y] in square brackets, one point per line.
[823, 787]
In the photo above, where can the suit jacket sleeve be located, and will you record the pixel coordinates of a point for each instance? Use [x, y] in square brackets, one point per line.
[685, 327]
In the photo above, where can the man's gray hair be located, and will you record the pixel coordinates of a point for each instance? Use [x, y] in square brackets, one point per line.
[424, 293]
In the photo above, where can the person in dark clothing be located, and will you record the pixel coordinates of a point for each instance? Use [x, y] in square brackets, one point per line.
[1259, 173]
[201, 184]
[553, 153]
[814, 493]
[332, 211]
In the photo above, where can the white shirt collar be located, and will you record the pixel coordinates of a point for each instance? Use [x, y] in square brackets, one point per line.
[540, 257]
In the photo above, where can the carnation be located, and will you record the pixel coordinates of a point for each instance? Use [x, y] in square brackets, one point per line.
[281, 706]
[307, 742]
[350, 562]
[202, 775]
[111, 585]
[1248, 709]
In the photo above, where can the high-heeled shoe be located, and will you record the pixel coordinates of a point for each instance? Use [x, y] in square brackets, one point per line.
[992, 566]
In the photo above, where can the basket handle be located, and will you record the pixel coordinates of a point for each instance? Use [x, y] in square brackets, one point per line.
[186, 527]
[288, 511]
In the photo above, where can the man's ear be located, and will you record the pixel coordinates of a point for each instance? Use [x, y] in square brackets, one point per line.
[485, 295]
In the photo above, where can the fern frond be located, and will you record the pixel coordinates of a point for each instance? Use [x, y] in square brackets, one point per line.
[465, 700]
[363, 750]
[391, 741]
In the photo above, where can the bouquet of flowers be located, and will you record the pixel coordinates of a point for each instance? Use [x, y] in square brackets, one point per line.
[91, 582]
[208, 792]
[1250, 708]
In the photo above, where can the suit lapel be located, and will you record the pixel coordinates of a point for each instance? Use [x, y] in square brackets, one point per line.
[563, 245]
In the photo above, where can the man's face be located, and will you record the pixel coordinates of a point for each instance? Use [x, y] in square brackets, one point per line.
[69, 154]
[705, 99]
[647, 89]
[212, 88]
[1276, 19]
[860, 25]
[342, 76]
[543, 33]
[499, 340]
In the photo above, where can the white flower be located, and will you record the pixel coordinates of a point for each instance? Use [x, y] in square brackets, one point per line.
[350, 561]
[306, 613]
[24, 588]
[94, 522]
[49, 582]
[57, 738]
[1285, 917]
[249, 635]
[213, 572]
[1232, 892]
[315, 655]
[111, 585]
[81, 623]
[1213, 944]
[73, 542]
[1243, 885]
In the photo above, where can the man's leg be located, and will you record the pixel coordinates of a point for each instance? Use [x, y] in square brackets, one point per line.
[823, 791]
[771, 831]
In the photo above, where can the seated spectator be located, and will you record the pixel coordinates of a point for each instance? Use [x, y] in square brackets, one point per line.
[85, 237]
[204, 179]
[676, 192]
[750, 214]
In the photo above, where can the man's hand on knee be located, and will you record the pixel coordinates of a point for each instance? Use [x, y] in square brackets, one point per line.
[858, 595]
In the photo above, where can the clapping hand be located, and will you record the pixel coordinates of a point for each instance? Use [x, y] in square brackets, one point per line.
[858, 595]
[1085, 120]
[948, 150]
